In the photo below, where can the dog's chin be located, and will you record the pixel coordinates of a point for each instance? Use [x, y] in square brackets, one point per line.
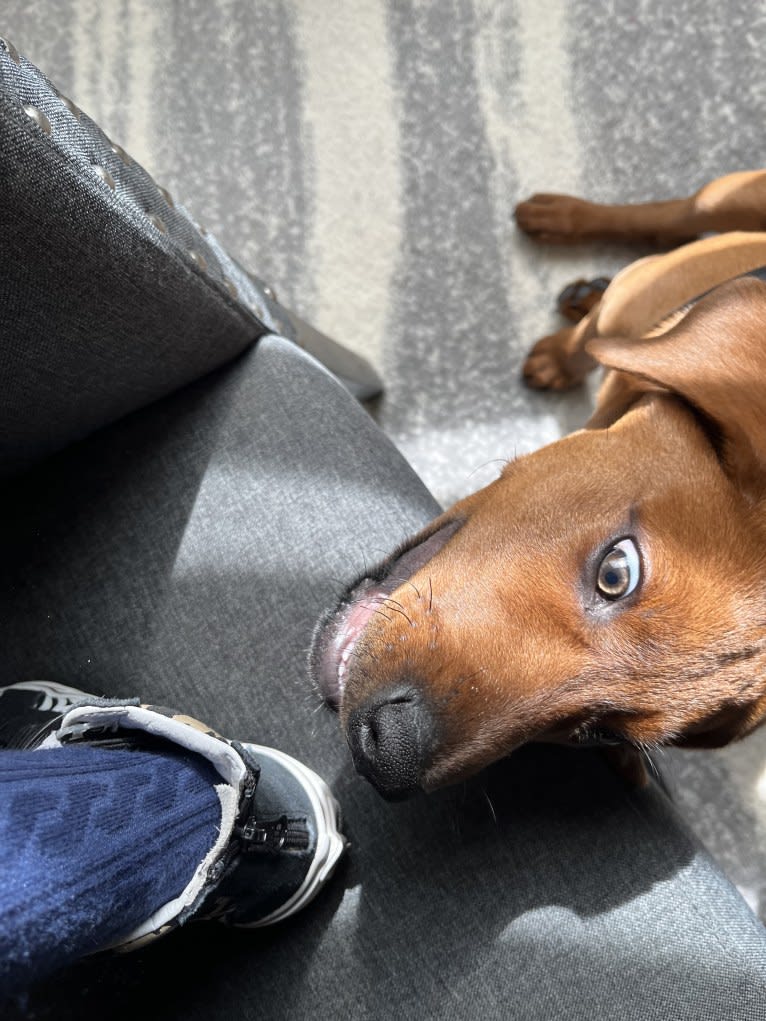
[338, 633]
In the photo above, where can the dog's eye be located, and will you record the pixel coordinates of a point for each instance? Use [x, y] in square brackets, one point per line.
[619, 571]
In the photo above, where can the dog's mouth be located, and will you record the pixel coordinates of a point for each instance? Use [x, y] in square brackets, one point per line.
[337, 635]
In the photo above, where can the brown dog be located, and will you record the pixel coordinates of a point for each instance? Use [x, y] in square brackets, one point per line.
[611, 587]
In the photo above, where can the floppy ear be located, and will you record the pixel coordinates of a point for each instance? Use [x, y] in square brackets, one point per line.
[715, 359]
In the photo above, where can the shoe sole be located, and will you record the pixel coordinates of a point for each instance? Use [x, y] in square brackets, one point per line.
[330, 841]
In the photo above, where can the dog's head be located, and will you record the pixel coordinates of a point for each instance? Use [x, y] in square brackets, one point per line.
[609, 588]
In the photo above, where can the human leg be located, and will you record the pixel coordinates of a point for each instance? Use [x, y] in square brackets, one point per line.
[122, 821]
[94, 842]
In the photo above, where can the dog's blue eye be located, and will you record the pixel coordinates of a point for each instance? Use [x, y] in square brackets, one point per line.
[619, 571]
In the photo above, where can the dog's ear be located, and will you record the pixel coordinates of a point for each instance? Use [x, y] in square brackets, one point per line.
[715, 359]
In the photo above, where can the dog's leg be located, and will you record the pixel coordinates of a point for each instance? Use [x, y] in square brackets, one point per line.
[650, 289]
[638, 298]
[559, 361]
[734, 202]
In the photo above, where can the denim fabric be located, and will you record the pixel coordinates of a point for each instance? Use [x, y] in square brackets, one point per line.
[110, 294]
[184, 554]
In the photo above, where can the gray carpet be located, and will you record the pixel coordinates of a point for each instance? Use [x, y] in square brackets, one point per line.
[365, 158]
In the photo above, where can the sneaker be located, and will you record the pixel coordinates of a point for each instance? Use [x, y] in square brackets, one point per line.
[279, 841]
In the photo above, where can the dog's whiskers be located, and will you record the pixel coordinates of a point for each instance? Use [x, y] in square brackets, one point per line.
[491, 806]
[492, 460]
[647, 757]
[376, 608]
[398, 608]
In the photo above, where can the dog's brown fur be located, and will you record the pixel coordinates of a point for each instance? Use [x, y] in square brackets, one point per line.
[501, 631]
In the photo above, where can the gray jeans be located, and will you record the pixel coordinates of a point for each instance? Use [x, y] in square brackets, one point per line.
[184, 555]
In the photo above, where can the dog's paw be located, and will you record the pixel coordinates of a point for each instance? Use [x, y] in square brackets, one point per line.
[580, 297]
[554, 218]
[549, 365]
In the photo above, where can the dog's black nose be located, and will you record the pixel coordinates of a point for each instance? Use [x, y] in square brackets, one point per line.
[391, 739]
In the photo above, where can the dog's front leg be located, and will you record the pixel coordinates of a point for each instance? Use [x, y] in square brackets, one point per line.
[734, 202]
[558, 219]
[560, 361]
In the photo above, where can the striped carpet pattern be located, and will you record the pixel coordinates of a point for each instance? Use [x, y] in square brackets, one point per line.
[365, 158]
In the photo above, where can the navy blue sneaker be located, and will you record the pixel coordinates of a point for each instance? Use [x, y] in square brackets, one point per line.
[279, 840]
